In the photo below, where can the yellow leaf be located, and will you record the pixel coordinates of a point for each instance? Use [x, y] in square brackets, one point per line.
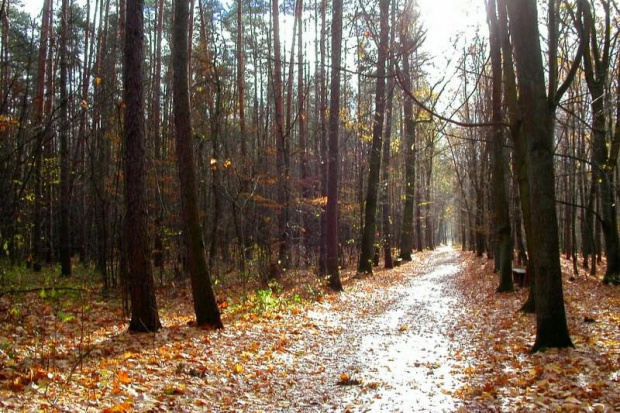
[237, 368]
[553, 367]
[98, 80]
[404, 327]
[173, 391]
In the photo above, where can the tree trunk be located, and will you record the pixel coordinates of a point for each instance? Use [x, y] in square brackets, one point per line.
[144, 316]
[406, 240]
[538, 120]
[39, 117]
[519, 146]
[241, 84]
[205, 304]
[281, 142]
[301, 111]
[370, 207]
[596, 69]
[385, 201]
[323, 144]
[333, 270]
[157, 139]
[499, 182]
[65, 161]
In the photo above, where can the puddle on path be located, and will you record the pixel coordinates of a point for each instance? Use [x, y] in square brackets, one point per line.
[407, 350]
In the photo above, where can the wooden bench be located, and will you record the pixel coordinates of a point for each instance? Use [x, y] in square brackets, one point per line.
[519, 277]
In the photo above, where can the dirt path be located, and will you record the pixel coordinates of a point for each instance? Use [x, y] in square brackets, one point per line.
[408, 348]
[393, 342]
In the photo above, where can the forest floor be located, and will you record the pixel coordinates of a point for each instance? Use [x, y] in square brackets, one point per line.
[431, 335]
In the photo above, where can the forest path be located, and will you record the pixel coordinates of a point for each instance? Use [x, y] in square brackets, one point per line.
[397, 340]
[430, 335]
[408, 347]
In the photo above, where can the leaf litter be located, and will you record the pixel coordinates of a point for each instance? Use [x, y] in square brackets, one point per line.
[429, 335]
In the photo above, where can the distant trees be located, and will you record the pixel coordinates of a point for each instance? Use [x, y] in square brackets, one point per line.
[597, 44]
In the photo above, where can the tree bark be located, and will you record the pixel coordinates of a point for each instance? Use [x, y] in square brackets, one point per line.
[519, 146]
[144, 316]
[65, 161]
[333, 269]
[323, 159]
[39, 117]
[537, 122]
[596, 64]
[370, 206]
[205, 304]
[406, 240]
[499, 182]
[155, 122]
[241, 83]
[281, 141]
[385, 195]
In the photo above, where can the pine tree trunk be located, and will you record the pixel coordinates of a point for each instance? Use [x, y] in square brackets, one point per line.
[205, 304]
[39, 119]
[281, 142]
[144, 316]
[323, 158]
[499, 182]
[385, 201]
[241, 85]
[333, 160]
[65, 161]
[406, 241]
[370, 206]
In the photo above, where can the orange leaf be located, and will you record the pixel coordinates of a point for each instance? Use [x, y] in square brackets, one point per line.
[118, 408]
[123, 377]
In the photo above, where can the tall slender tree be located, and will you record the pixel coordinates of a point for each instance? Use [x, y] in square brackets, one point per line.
[281, 140]
[333, 160]
[406, 240]
[39, 119]
[144, 315]
[323, 158]
[370, 206]
[596, 65]
[241, 81]
[65, 161]
[501, 207]
[386, 208]
[205, 304]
